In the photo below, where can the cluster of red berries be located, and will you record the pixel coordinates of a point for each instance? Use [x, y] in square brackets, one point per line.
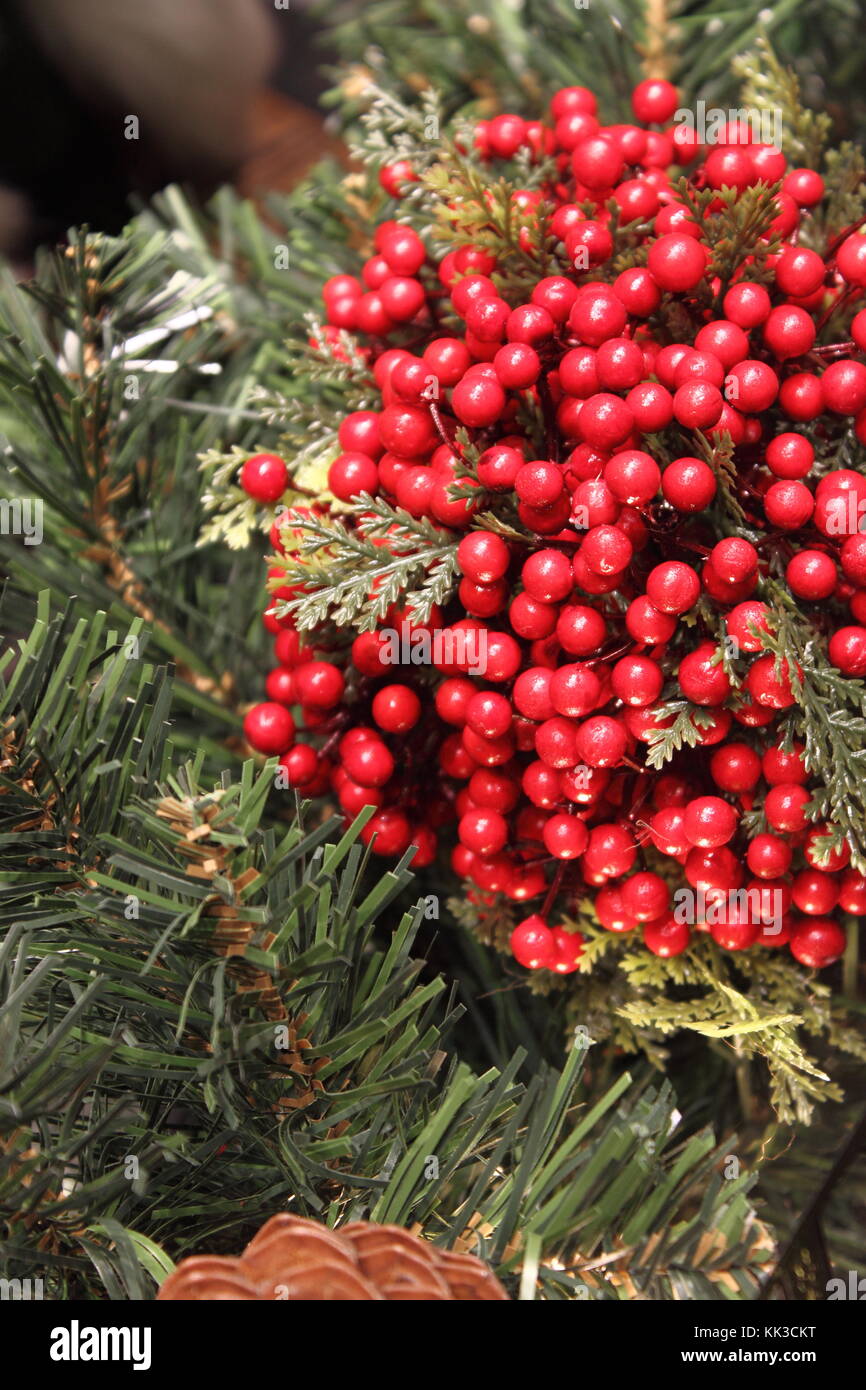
[609, 590]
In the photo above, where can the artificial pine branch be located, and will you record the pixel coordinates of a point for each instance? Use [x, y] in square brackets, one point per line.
[770, 86]
[199, 992]
[353, 574]
[829, 717]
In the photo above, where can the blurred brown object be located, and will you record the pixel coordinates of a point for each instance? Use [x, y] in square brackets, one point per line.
[292, 1258]
[185, 73]
[287, 139]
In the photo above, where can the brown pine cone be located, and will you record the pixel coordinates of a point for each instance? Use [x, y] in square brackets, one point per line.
[291, 1258]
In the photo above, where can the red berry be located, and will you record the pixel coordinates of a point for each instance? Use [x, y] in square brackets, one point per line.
[301, 764]
[404, 251]
[597, 314]
[547, 576]
[811, 575]
[817, 942]
[851, 260]
[746, 622]
[790, 456]
[633, 477]
[369, 763]
[673, 587]
[638, 291]
[709, 822]
[789, 331]
[396, 708]
[388, 831]
[735, 767]
[580, 630]
[601, 741]
[483, 557]
[677, 262]
[747, 304]
[393, 176]
[597, 161]
[847, 650]
[264, 477]
[844, 387]
[646, 624]
[568, 949]
[814, 892]
[351, 474]
[736, 932]
[805, 186]
[801, 396]
[637, 680]
[556, 742]
[769, 685]
[768, 856]
[785, 809]
[853, 559]
[320, 685]
[483, 831]
[666, 937]
[565, 836]
[532, 943]
[751, 386]
[689, 484]
[498, 467]
[505, 135]
[852, 893]
[477, 401]
[269, 728]
[517, 365]
[799, 271]
[788, 505]
[539, 484]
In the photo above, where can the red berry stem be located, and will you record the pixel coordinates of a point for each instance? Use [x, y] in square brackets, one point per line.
[553, 890]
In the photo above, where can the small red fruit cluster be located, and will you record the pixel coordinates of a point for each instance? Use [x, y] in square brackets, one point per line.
[599, 576]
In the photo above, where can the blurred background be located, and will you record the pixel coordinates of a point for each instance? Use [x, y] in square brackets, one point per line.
[103, 102]
[219, 90]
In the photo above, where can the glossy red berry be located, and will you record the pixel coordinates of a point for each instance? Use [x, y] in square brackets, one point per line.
[388, 832]
[735, 767]
[369, 763]
[320, 684]
[811, 574]
[768, 856]
[568, 950]
[677, 262]
[532, 943]
[646, 624]
[301, 765]
[788, 505]
[396, 708]
[601, 741]
[264, 477]
[746, 621]
[269, 728]
[851, 260]
[709, 822]
[477, 401]
[817, 942]
[565, 836]
[673, 587]
[483, 557]
[637, 680]
[847, 650]
[689, 484]
[747, 304]
[666, 937]
[785, 809]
